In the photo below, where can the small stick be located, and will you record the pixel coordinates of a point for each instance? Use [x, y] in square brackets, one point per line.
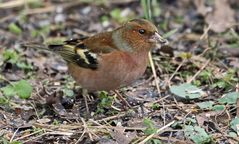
[25, 136]
[34, 138]
[14, 134]
[122, 98]
[112, 117]
[154, 73]
[85, 93]
[237, 107]
[205, 32]
[198, 72]
[150, 136]
[181, 64]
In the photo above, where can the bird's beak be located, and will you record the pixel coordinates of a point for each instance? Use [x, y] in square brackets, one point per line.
[158, 39]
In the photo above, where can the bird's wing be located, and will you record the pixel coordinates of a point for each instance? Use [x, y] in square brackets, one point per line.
[85, 52]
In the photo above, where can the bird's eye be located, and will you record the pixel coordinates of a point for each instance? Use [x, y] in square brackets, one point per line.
[142, 31]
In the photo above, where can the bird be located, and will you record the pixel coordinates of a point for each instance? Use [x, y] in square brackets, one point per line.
[108, 60]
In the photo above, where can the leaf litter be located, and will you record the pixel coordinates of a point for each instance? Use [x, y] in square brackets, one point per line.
[56, 112]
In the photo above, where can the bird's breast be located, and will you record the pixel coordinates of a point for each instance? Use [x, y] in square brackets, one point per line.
[115, 69]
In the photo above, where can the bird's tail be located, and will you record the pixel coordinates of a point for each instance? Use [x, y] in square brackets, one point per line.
[50, 47]
[70, 51]
[67, 51]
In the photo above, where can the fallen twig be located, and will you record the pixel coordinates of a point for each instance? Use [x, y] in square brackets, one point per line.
[150, 136]
[154, 73]
[198, 72]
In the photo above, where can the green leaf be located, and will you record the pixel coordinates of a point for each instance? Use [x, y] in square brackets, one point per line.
[154, 141]
[218, 107]
[55, 41]
[68, 92]
[56, 122]
[150, 126]
[186, 55]
[234, 124]
[36, 4]
[156, 9]
[187, 91]
[105, 21]
[3, 140]
[220, 84]
[23, 89]
[14, 29]
[24, 65]
[156, 106]
[229, 98]
[191, 120]
[42, 31]
[232, 134]
[105, 102]
[8, 91]
[3, 100]
[116, 13]
[15, 142]
[11, 56]
[205, 105]
[205, 74]
[197, 134]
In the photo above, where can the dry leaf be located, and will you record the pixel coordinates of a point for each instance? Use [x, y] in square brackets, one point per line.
[222, 17]
[201, 8]
[230, 51]
[120, 137]
[43, 120]
[201, 118]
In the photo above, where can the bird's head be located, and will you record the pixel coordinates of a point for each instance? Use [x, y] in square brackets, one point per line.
[143, 32]
[137, 35]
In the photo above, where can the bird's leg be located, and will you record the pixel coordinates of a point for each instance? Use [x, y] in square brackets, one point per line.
[85, 94]
[122, 98]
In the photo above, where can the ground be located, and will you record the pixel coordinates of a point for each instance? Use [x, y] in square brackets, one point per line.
[191, 98]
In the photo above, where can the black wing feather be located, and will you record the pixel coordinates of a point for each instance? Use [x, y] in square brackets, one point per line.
[75, 51]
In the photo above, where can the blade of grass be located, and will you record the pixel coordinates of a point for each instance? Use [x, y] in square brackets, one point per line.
[147, 12]
[170, 33]
[147, 9]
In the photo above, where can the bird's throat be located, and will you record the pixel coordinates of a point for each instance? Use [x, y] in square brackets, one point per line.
[120, 43]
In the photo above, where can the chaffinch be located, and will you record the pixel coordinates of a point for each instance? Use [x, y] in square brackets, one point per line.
[109, 60]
